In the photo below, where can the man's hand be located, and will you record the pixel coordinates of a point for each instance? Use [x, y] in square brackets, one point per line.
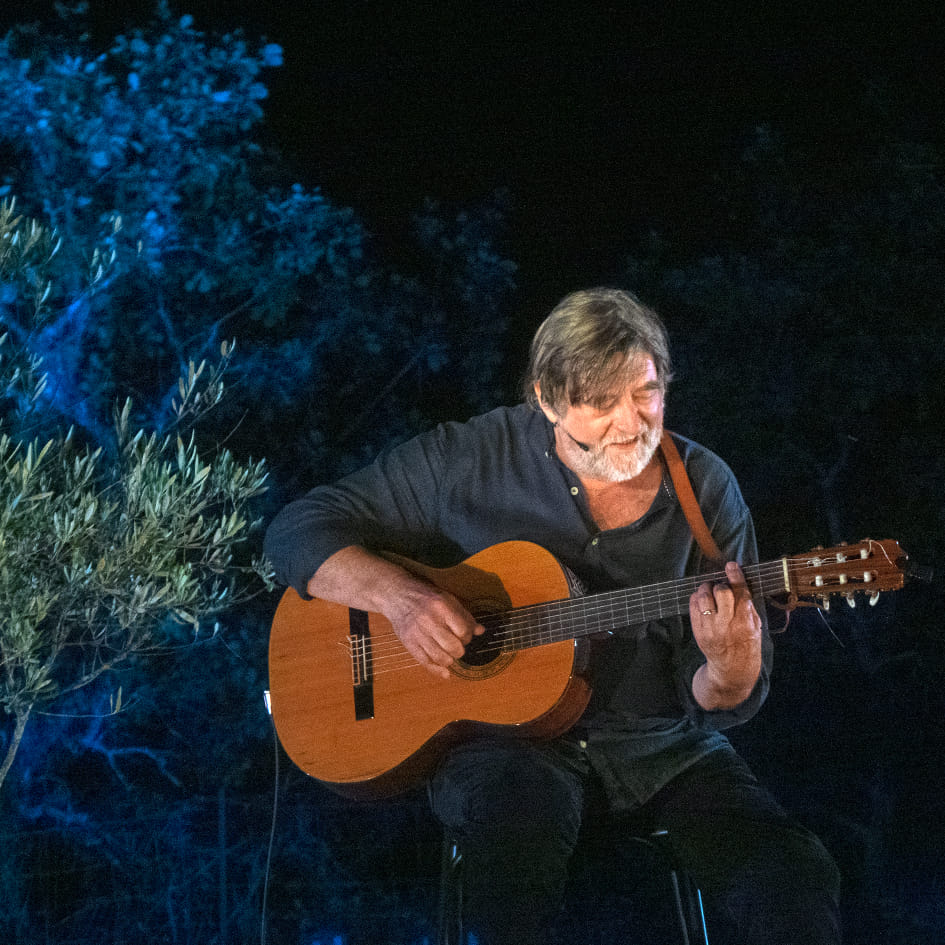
[431, 623]
[727, 629]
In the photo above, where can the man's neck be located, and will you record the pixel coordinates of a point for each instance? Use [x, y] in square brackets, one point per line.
[617, 504]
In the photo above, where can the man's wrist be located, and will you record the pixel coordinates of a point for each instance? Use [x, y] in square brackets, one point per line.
[714, 690]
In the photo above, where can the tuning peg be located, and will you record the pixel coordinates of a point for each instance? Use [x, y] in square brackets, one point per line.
[873, 598]
[851, 600]
[825, 601]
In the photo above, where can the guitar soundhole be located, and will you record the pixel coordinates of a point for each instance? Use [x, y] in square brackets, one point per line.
[481, 651]
[485, 655]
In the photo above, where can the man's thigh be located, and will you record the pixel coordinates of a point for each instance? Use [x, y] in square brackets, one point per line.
[723, 822]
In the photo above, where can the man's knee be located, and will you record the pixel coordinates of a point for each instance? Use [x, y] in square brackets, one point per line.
[511, 789]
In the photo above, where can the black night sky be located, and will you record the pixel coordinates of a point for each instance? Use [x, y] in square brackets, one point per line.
[605, 121]
[619, 134]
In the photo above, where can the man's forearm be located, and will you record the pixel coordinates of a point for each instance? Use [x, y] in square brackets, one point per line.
[358, 578]
[715, 694]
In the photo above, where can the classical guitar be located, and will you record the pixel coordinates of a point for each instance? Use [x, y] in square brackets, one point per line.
[353, 709]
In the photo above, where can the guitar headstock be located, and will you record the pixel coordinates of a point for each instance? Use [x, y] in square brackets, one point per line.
[866, 567]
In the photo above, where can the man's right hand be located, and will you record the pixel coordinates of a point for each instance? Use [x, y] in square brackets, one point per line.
[431, 623]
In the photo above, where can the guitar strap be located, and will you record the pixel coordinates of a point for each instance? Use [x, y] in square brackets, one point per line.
[687, 498]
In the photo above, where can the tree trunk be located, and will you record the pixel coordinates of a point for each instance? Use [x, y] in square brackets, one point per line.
[22, 717]
[221, 843]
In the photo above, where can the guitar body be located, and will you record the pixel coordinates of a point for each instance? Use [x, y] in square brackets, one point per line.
[370, 729]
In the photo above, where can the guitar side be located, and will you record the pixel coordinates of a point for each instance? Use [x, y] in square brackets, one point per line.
[379, 747]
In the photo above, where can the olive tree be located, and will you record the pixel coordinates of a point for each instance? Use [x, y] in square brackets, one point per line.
[105, 551]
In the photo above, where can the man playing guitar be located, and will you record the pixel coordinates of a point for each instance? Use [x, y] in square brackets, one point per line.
[579, 470]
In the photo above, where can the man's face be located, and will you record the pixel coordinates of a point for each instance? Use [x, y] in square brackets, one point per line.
[622, 434]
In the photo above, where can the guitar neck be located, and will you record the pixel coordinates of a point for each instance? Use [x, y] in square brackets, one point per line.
[571, 618]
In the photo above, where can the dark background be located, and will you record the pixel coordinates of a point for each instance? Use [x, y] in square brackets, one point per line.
[612, 129]
[605, 121]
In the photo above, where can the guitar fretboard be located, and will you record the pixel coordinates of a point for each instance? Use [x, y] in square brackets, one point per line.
[555, 621]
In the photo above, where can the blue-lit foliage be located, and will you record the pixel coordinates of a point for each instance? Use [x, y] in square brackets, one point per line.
[178, 230]
[148, 151]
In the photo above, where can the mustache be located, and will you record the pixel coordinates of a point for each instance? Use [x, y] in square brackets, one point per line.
[645, 436]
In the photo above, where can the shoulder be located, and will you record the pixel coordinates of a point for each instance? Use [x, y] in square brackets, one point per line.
[517, 420]
[519, 426]
[455, 450]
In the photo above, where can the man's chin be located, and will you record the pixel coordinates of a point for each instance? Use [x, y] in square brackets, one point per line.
[628, 461]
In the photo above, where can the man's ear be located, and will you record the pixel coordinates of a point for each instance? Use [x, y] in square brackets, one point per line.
[546, 408]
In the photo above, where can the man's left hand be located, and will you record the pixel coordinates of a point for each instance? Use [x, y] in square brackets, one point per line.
[727, 628]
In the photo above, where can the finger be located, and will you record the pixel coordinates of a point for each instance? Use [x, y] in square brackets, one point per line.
[741, 590]
[445, 641]
[736, 579]
[724, 602]
[431, 645]
[465, 629]
[430, 659]
[460, 621]
[446, 644]
[702, 603]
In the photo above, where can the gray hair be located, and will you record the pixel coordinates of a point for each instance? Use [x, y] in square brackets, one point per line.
[589, 344]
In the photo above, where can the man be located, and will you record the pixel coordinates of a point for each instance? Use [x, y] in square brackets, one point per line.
[578, 470]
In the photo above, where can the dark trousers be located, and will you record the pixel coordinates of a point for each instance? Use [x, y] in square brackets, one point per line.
[517, 811]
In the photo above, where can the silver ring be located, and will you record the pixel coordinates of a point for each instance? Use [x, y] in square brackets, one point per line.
[707, 613]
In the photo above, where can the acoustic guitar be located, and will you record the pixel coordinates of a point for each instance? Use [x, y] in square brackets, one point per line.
[353, 709]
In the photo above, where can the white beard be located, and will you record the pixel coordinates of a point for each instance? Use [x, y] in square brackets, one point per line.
[598, 464]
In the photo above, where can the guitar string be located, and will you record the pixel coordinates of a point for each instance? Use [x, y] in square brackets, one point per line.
[614, 606]
[402, 659]
[518, 625]
[524, 615]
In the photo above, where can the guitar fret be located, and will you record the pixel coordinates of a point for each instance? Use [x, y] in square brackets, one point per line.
[571, 618]
[555, 621]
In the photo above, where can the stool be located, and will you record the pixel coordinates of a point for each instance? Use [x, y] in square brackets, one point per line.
[449, 921]
[687, 898]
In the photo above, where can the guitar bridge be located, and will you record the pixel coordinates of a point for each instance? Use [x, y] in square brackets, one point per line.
[362, 664]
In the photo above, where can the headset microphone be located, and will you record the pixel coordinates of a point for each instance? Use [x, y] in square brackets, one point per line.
[583, 446]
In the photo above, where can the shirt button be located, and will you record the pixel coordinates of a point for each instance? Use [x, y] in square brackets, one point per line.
[595, 541]
[574, 490]
[582, 743]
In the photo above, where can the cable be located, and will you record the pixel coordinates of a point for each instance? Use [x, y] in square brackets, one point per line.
[272, 830]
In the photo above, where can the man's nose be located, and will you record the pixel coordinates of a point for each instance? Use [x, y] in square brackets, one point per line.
[627, 417]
